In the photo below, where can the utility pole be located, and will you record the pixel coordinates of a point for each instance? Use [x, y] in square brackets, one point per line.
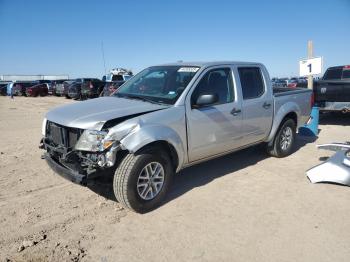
[310, 54]
[103, 56]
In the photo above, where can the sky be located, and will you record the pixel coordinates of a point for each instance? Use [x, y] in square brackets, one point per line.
[66, 37]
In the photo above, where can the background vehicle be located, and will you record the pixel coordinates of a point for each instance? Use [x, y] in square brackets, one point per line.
[19, 88]
[115, 79]
[332, 92]
[169, 117]
[57, 84]
[37, 90]
[3, 87]
[118, 74]
[111, 87]
[297, 82]
[62, 89]
[74, 90]
[279, 83]
[91, 88]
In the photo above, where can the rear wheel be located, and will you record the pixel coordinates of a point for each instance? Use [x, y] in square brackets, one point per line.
[284, 140]
[141, 181]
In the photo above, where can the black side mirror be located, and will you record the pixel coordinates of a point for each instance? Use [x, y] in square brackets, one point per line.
[206, 99]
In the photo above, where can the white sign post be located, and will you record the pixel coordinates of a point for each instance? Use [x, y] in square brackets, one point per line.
[310, 67]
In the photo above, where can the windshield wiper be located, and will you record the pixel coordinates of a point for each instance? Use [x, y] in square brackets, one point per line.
[138, 98]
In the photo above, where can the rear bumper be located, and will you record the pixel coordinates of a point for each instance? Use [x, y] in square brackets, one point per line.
[64, 172]
[335, 106]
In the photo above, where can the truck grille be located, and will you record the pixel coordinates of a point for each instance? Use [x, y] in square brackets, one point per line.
[62, 136]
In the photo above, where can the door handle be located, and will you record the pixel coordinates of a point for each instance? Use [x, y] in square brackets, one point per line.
[266, 105]
[235, 111]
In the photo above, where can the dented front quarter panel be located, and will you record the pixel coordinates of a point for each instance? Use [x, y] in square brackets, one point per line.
[164, 125]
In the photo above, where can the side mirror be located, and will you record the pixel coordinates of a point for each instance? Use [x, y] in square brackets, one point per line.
[206, 99]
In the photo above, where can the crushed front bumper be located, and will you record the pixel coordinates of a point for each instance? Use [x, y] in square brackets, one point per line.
[65, 172]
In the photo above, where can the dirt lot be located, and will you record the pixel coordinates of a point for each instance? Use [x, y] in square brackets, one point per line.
[241, 207]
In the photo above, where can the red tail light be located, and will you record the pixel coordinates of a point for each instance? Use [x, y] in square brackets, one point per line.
[292, 85]
[347, 67]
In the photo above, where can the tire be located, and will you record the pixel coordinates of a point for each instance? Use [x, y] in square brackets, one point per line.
[129, 178]
[286, 132]
[67, 96]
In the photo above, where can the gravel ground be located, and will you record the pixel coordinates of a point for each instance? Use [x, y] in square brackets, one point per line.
[241, 207]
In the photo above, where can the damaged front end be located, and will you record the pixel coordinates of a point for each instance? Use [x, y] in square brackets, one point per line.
[336, 169]
[76, 154]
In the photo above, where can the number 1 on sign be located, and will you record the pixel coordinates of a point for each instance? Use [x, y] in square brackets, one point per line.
[310, 67]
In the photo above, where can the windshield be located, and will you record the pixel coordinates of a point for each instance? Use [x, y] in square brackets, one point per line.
[160, 84]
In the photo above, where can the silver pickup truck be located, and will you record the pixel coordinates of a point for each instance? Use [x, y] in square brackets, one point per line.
[169, 117]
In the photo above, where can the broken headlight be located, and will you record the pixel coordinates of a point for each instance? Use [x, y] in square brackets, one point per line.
[93, 141]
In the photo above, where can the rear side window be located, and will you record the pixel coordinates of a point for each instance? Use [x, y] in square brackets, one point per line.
[346, 74]
[251, 82]
[333, 73]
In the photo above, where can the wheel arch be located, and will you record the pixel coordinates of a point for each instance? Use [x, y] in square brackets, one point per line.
[156, 136]
[288, 111]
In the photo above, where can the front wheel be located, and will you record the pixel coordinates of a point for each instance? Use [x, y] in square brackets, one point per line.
[284, 140]
[141, 181]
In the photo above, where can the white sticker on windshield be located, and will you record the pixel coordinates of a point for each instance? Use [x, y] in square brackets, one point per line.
[188, 69]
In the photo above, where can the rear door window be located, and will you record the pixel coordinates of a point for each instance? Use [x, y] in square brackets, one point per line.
[346, 74]
[251, 82]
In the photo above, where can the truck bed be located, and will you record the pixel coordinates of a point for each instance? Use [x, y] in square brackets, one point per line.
[297, 96]
[283, 91]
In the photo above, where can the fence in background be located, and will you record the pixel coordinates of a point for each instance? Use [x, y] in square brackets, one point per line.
[32, 77]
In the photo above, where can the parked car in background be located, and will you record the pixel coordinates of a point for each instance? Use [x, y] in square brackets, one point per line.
[74, 90]
[91, 88]
[62, 89]
[3, 87]
[115, 79]
[332, 92]
[39, 89]
[57, 84]
[111, 87]
[297, 82]
[19, 87]
[279, 83]
[118, 74]
[167, 118]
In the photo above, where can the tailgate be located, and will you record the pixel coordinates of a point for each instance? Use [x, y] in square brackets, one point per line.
[332, 91]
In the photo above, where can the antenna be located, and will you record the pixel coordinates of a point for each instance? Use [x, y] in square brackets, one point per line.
[103, 56]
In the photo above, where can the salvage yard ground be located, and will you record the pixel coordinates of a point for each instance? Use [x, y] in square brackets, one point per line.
[241, 207]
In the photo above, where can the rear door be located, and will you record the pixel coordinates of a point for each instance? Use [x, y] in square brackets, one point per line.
[216, 128]
[257, 103]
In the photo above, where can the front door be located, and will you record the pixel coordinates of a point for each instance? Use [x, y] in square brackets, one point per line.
[215, 128]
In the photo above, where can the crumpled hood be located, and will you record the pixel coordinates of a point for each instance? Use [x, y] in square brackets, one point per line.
[92, 114]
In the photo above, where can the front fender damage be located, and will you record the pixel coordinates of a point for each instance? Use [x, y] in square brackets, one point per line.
[133, 135]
